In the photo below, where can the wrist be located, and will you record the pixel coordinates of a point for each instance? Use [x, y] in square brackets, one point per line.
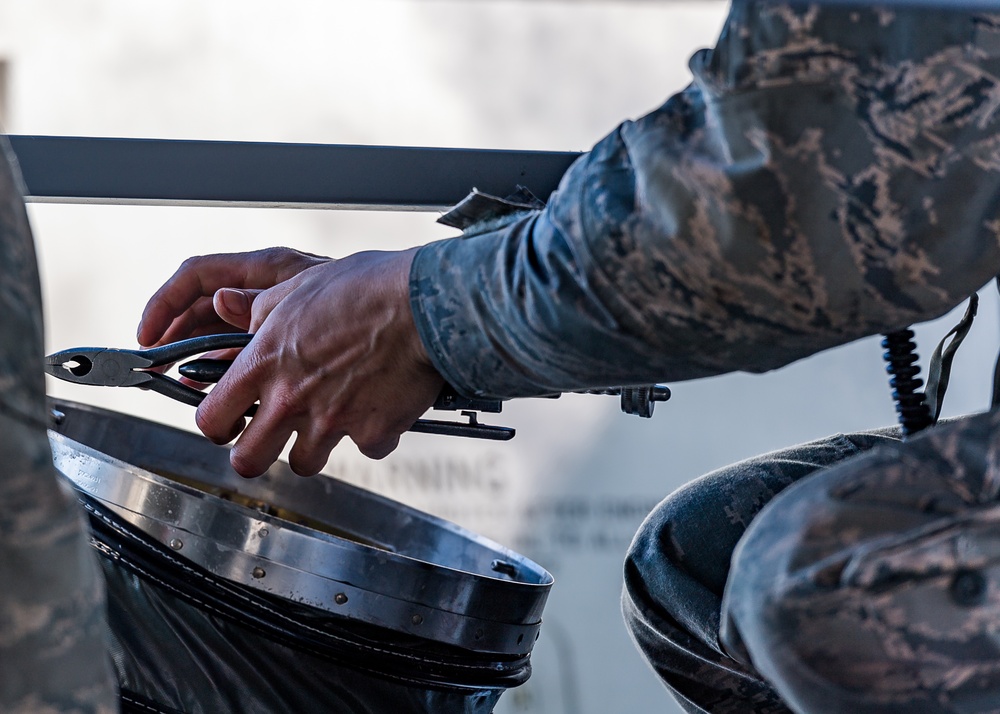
[415, 345]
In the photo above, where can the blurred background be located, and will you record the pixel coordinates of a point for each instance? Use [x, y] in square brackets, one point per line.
[572, 487]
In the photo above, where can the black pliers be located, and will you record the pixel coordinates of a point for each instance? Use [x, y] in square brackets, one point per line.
[106, 367]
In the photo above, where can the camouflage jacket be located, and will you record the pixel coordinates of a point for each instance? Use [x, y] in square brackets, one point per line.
[830, 173]
[53, 656]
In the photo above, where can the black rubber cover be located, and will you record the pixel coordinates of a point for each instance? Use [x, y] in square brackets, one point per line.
[183, 640]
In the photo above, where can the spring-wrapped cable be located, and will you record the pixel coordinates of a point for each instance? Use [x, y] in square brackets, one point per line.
[901, 364]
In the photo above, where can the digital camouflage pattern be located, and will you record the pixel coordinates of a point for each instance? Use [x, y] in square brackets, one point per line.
[832, 172]
[53, 655]
[874, 586]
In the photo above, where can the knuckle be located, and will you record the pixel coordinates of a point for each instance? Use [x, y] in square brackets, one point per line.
[312, 448]
[193, 264]
[278, 257]
[305, 465]
[287, 262]
[261, 304]
[375, 443]
[379, 451]
[284, 405]
[208, 427]
[243, 465]
[272, 253]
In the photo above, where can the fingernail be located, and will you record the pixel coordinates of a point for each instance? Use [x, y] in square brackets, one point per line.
[235, 301]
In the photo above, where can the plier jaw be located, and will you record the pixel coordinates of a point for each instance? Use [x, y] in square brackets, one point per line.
[104, 367]
[99, 366]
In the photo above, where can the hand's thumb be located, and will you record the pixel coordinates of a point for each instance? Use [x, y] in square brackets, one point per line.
[234, 306]
[264, 301]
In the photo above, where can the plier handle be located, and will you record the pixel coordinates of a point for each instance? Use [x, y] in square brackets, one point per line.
[106, 367]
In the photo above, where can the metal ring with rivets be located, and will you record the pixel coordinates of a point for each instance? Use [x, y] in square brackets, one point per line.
[317, 541]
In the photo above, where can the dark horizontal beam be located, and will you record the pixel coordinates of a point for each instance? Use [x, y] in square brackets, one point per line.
[61, 169]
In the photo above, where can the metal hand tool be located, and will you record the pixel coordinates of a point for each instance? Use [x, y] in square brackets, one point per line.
[106, 367]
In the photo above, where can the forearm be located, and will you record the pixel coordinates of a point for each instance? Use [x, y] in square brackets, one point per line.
[514, 312]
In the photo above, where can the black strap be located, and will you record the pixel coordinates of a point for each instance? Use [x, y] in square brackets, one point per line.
[995, 401]
[939, 369]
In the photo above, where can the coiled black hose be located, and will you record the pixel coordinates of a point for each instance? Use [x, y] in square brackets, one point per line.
[901, 364]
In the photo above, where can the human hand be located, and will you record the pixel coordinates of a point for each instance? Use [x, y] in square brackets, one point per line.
[211, 294]
[335, 353]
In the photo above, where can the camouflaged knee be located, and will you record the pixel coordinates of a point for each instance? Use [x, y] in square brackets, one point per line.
[874, 586]
[52, 633]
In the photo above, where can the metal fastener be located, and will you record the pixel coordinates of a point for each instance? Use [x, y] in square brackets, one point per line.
[176, 543]
[969, 588]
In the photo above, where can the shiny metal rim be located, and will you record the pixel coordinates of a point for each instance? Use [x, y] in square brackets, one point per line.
[391, 566]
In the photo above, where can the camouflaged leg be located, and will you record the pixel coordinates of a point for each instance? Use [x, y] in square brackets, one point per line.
[678, 564]
[874, 586]
[52, 631]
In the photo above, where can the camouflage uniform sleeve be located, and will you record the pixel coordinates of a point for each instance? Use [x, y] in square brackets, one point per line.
[53, 648]
[829, 174]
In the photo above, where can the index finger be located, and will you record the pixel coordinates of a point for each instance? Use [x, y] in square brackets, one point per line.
[220, 415]
[201, 276]
[196, 278]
